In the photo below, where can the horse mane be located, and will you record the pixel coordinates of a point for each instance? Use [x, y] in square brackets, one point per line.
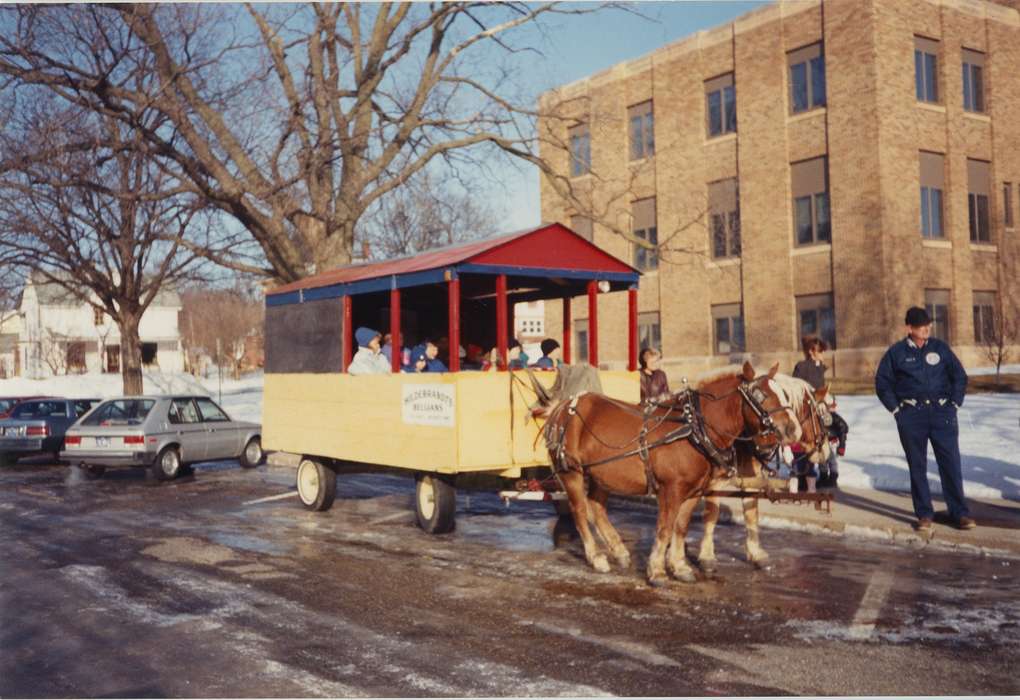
[716, 375]
[794, 388]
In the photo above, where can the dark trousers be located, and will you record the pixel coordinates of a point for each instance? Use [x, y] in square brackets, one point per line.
[918, 426]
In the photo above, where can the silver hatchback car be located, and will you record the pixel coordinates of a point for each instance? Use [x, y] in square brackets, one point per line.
[161, 433]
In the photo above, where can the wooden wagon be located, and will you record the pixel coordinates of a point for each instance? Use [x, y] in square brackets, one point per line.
[438, 427]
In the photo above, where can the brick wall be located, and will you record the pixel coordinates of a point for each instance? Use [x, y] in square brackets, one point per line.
[871, 130]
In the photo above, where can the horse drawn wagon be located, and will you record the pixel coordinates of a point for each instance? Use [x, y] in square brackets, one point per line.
[440, 427]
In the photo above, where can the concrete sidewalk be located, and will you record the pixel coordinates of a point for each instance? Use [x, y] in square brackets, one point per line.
[889, 516]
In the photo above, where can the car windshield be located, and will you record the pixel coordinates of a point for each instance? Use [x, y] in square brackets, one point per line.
[40, 409]
[120, 412]
[5, 404]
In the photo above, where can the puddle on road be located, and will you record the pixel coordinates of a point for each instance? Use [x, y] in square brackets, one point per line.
[248, 542]
[189, 550]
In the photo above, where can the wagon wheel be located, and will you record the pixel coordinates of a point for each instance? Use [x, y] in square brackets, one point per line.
[316, 485]
[435, 503]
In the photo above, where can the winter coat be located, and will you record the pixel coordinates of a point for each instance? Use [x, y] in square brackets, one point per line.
[928, 373]
[653, 385]
[436, 365]
[811, 372]
[545, 362]
[367, 361]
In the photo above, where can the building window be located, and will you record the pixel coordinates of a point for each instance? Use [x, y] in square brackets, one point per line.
[817, 316]
[984, 317]
[932, 183]
[1007, 204]
[581, 344]
[642, 130]
[810, 184]
[582, 226]
[580, 150]
[977, 200]
[973, 83]
[648, 330]
[728, 329]
[807, 78]
[936, 303]
[97, 316]
[926, 64]
[721, 105]
[645, 229]
[724, 218]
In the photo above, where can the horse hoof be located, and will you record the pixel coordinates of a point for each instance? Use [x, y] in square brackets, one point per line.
[686, 576]
[624, 561]
[658, 581]
[761, 564]
[707, 565]
[600, 564]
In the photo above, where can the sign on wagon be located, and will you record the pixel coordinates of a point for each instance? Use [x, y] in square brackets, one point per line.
[429, 404]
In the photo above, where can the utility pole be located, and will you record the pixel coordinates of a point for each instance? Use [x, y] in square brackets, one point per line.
[219, 371]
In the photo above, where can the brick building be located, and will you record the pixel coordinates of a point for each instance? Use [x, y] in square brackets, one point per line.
[810, 167]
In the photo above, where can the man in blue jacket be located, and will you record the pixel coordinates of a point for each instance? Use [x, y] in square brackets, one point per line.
[923, 383]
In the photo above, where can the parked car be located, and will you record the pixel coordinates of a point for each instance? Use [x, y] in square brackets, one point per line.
[161, 433]
[37, 426]
[7, 403]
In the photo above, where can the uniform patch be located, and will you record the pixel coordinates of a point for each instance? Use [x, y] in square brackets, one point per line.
[932, 358]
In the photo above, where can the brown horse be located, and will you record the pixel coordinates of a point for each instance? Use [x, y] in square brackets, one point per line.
[812, 410]
[599, 446]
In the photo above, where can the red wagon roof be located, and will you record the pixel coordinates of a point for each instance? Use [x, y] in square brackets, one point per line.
[551, 250]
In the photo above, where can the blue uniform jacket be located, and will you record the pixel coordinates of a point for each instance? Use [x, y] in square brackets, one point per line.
[929, 373]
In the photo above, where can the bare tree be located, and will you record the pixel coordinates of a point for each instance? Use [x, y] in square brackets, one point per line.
[1000, 335]
[428, 212]
[101, 222]
[299, 121]
[224, 318]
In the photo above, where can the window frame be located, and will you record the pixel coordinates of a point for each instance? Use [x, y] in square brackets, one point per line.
[973, 65]
[926, 69]
[931, 176]
[733, 315]
[984, 308]
[644, 225]
[1007, 205]
[816, 304]
[652, 322]
[579, 144]
[725, 194]
[205, 419]
[641, 141]
[978, 200]
[934, 300]
[817, 201]
[812, 59]
[724, 87]
[581, 340]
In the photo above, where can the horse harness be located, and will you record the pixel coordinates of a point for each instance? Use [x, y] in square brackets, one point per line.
[691, 427]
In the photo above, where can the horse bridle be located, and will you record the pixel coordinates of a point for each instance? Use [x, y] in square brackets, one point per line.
[752, 393]
[820, 420]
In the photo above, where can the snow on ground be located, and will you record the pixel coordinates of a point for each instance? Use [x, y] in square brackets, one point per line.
[989, 428]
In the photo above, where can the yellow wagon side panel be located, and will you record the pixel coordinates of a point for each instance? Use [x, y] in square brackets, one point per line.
[483, 420]
[354, 418]
[619, 384]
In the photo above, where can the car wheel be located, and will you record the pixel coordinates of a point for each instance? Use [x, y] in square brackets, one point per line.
[435, 503]
[251, 455]
[93, 471]
[167, 465]
[316, 485]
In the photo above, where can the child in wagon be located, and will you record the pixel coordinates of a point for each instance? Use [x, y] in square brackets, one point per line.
[369, 358]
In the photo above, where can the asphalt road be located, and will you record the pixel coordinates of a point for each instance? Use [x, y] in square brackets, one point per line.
[126, 587]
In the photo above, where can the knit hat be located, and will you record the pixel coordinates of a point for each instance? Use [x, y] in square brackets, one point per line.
[364, 336]
[418, 354]
[548, 345]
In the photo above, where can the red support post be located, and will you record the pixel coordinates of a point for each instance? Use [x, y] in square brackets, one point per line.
[593, 323]
[453, 311]
[568, 332]
[348, 337]
[395, 329]
[501, 317]
[632, 335]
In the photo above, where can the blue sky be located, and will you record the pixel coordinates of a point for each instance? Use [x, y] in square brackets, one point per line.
[581, 45]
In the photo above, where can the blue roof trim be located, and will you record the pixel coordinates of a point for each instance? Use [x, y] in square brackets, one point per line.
[379, 284]
[632, 277]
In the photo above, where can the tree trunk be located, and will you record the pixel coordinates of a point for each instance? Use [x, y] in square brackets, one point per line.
[131, 351]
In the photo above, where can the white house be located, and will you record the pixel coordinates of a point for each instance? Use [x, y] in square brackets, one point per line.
[10, 334]
[60, 334]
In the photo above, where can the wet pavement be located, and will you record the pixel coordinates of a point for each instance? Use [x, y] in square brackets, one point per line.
[129, 587]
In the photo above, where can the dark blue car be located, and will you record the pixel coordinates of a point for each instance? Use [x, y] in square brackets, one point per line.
[38, 427]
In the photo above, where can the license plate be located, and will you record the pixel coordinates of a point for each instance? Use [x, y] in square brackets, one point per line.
[102, 442]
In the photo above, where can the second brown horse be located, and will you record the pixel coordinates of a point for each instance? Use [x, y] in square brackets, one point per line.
[599, 446]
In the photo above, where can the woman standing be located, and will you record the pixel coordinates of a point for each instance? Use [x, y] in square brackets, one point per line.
[812, 370]
[654, 385]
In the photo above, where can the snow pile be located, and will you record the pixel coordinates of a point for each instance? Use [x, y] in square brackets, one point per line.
[242, 398]
[989, 428]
